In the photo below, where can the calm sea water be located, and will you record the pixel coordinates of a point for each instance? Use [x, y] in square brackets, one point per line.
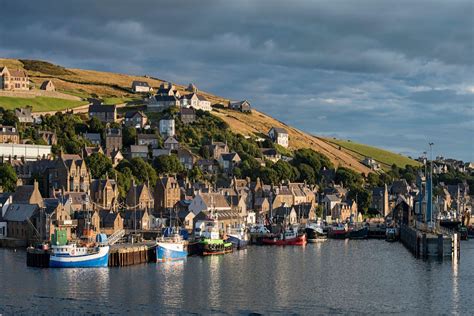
[337, 277]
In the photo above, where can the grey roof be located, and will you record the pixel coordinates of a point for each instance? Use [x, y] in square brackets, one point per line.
[187, 111]
[268, 151]
[171, 140]
[138, 149]
[23, 194]
[230, 156]
[102, 108]
[20, 212]
[165, 98]
[108, 218]
[147, 136]
[333, 198]
[51, 204]
[132, 214]
[92, 136]
[280, 130]
[131, 114]
[4, 197]
[140, 83]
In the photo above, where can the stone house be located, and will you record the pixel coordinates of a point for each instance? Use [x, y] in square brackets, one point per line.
[380, 200]
[141, 86]
[115, 155]
[343, 211]
[113, 139]
[279, 136]
[229, 161]
[171, 143]
[187, 115]
[49, 137]
[186, 219]
[104, 193]
[134, 219]
[9, 134]
[93, 138]
[77, 201]
[140, 197]
[24, 115]
[157, 152]
[218, 148]
[14, 80]
[168, 89]
[105, 113]
[110, 222]
[87, 151]
[69, 173]
[329, 202]
[167, 128]
[261, 207]
[58, 216]
[371, 163]
[242, 106]
[196, 101]
[136, 119]
[209, 166]
[159, 102]
[186, 157]
[139, 151]
[285, 214]
[192, 88]
[270, 154]
[83, 217]
[18, 218]
[167, 193]
[205, 202]
[147, 140]
[48, 85]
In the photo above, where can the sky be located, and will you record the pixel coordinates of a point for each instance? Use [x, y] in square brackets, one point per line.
[393, 74]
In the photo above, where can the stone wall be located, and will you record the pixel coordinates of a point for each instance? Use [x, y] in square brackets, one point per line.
[38, 93]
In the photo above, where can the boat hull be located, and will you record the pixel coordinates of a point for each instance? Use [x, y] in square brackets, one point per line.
[337, 234]
[97, 260]
[170, 252]
[237, 243]
[314, 236]
[298, 241]
[361, 233]
[215, 247]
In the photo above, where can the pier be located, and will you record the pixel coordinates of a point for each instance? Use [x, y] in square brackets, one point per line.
[430, 243]
[120, 255]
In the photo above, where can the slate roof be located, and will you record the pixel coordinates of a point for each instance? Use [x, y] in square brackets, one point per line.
[23, 194]
[4, 197]
[165, 98]
[230, 156]
[95, 108]
[132, 114]
[20, 212]
[280, 130]
[333, 198]
[107, 218]
[93, 137]
[130, 214]
[171, 140]
[215, 200]
[269, 151]
[138, 149]
[45, 84]
[187, 111]
[137, 83]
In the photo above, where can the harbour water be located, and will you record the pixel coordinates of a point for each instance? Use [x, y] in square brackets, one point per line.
[342, 277]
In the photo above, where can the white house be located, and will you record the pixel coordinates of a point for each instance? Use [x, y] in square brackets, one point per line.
[205, 202]
[279, 136]
[141, 86]
[167, 127]
[197, 101]
[5, 201]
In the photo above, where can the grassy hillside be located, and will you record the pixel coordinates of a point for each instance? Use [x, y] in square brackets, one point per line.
[115, 88]
[384, 157]
[39, 104]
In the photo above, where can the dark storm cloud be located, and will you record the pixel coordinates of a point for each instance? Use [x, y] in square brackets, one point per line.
[360, 69]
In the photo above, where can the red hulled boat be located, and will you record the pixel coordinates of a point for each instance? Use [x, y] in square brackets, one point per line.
[288, 238]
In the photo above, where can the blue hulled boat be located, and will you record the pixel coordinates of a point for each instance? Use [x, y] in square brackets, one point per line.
[171, 248]
[71, 256]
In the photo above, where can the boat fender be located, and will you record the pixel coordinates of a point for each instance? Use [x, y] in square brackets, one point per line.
[73, 252]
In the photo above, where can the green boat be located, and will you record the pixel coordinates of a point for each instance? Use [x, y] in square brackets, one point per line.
[210, 243]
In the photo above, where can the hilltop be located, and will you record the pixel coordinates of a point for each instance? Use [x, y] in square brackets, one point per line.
[115, 88]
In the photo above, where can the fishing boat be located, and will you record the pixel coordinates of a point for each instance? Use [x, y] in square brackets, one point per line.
[289, 237]
[74, 256]
[470, 231]
[355, 232]
[338, 231]
[238, 237]
[209, 242]
[463, 232]
[171, 248]
[391, 234]
[315, 232]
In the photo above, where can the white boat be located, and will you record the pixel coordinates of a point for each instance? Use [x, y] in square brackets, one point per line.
[171, 248]
[72, 256]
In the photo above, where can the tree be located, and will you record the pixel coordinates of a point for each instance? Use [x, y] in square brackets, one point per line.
[129, 136]
[348, 177]
[307, 173]
[99, 165]
[362, 196]
[8, 177]
[95, 125]
[9, 118]
[168, 164]
[284, 170]
[143, 171]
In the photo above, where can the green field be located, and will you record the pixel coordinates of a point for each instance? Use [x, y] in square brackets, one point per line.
[39, 104]
[384, 157]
